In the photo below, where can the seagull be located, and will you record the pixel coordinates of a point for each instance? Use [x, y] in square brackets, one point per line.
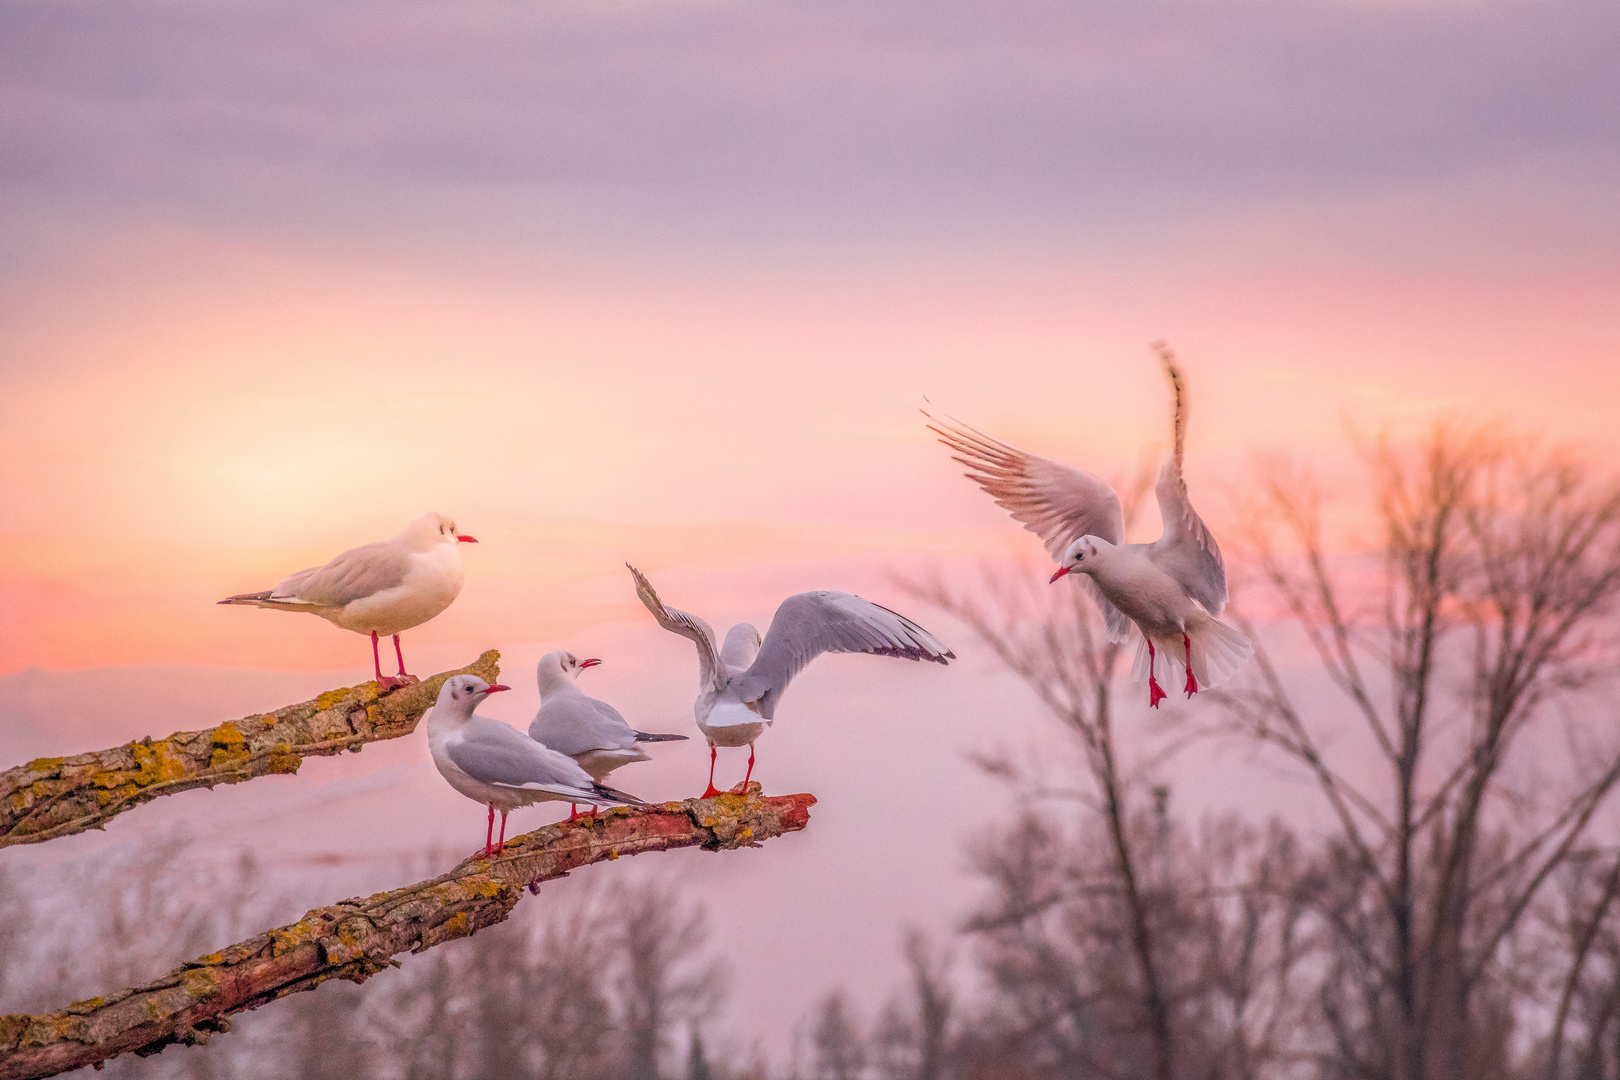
[1173, 589]
[382, 588]
[743, 680]
[496, 764]
[590, 731]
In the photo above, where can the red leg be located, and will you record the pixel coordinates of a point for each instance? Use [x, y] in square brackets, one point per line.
[710, 791]
[489, 834]
[742, 789]
[403, 678]
[1192, 683]
[594, 808]
[388, 682]
[500, 845]
[1156, 692]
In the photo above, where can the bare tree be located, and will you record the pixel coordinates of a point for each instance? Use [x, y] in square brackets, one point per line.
[1054, 641]
[1486, 604]
[840, 1048]
[914, 1033]
[664, 983]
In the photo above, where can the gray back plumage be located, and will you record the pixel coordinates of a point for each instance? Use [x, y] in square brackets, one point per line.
[497, 753]
[359, 572]
[573, 724]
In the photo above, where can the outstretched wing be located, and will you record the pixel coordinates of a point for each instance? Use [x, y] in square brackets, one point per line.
[1055, 502]
[812, 623]
[497, 753]
[1058, 503]
[686, 625]
[1186, 550]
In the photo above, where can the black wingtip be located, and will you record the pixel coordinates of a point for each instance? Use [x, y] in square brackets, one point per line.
[617, 796]
[656, 736]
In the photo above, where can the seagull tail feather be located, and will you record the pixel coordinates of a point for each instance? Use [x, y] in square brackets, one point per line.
[252, 598]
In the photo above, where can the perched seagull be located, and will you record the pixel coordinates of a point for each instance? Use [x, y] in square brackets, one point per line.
[382, 588]
[496, 764]
[590, 731]
[743, 680]
[1173, 589]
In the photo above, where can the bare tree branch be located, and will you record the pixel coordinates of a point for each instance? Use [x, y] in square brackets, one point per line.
[356, 939]
[52, 797]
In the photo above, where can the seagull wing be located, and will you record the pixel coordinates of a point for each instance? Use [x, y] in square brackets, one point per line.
[499, 754]
[355, 574]
[574, 724]
[1186, 550]
[686, 625]
[1058, 503]
[1054, 501]
[812, 623]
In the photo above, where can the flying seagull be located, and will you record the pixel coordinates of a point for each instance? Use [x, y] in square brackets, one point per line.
[742, 681]
[382, 588]
[1173, 589]
[590, 731]
[496, 764]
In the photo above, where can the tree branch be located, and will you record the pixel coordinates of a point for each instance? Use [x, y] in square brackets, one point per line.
[356, 938]
[51, 797]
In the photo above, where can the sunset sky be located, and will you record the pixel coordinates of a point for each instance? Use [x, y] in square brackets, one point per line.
[668, 281]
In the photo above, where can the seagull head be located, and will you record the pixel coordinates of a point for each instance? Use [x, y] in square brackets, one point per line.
[559, 669]
[1081, 556]
[430, 529]
[461, 694]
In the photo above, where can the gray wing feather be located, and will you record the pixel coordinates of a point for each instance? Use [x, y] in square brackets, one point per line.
[573, 724]
[812, 623]
[687, 625]
[357, 573]
[1058, 503]
[498, 753]
[1186, 550]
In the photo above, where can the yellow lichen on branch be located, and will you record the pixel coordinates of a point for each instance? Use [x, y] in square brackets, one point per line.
[52, 797]
[357, 938]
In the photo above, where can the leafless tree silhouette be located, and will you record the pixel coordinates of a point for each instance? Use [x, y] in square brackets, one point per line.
[1482, 608]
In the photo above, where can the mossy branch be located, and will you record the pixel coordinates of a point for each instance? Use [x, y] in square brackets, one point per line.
[357, 938]
[51, 797]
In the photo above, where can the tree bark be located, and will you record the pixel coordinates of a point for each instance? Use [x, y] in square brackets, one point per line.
[51, 797]
[357, 938]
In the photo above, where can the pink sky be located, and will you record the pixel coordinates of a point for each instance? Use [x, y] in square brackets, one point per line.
[669, 283]
[178, 436]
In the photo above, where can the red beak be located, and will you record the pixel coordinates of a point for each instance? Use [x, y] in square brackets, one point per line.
[1061, 571]
[497, 688]
[592, 662]
[468, 539]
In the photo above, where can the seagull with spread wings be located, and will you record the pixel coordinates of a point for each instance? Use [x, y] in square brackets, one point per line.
[1173, 589]
[742, 681]
[382, 588]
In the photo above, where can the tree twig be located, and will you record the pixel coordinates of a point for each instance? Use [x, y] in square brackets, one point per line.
[51, 797]
[357, 938]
